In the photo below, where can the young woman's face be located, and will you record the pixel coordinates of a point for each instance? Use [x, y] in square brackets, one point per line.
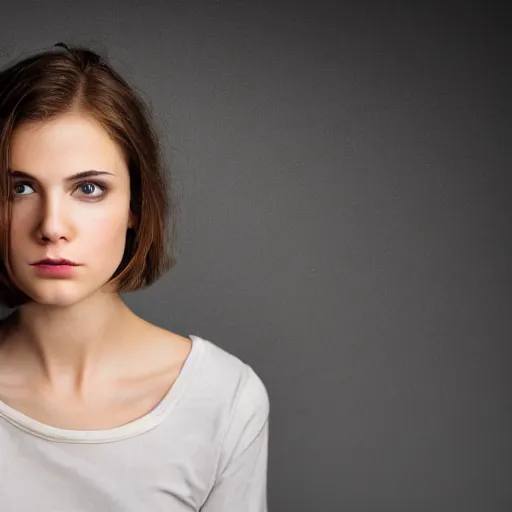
[57, 215]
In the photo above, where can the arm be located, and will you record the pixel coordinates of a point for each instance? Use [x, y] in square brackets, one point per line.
[241, 483]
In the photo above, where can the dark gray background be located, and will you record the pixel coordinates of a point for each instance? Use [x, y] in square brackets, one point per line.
[343, 174]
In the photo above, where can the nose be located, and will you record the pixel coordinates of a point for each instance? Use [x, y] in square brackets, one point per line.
[54, 223]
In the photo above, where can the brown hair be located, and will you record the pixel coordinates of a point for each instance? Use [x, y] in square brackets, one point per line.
[65, 79]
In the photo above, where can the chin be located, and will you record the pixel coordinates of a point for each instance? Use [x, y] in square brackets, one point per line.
[58, 300]
[59, 294]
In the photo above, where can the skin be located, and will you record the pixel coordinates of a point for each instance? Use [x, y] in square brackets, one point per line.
[73, 357]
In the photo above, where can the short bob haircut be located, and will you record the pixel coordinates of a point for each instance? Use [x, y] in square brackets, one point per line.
[76, 79]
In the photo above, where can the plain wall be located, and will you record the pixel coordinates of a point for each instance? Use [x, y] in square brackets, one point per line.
[343, 175]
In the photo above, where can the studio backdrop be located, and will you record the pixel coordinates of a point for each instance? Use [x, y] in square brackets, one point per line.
[343, 177]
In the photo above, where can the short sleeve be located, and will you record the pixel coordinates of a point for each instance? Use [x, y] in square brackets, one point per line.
[241, 483]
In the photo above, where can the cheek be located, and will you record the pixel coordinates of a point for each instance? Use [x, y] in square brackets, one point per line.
[105, 235]
[23, 213]
[22, 219]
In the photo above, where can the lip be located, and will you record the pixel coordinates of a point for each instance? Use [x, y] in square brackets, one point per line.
[56, 262]
[58, 268]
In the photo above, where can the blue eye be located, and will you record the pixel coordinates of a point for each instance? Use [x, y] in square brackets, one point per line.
[20, 189]
[88, 188]
[91, 189]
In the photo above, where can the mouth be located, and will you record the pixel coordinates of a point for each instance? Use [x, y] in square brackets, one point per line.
[56, 263]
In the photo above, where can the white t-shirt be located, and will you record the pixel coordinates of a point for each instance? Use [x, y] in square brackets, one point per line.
[202, 448]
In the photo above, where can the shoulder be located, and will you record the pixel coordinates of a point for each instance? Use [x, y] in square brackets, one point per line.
[240, 399]
[232, 380]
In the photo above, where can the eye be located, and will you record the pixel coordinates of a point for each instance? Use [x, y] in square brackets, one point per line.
[91, 189]
[22, 189]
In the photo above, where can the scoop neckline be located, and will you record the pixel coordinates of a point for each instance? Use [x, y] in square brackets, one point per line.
[135, 427]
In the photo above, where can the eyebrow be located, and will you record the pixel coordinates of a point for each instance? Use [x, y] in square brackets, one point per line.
[79, 175]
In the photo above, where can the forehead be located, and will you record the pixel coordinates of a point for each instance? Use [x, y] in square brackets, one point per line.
[67, 144]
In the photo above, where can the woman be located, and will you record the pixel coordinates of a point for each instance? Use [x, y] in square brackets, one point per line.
[100, 410]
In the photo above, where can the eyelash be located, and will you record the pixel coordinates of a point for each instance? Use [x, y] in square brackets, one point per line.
[101, 186]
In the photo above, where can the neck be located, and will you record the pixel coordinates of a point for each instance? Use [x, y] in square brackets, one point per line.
[64, 345]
